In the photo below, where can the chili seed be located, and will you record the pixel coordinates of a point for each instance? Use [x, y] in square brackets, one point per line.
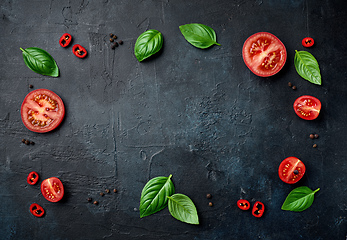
[89, 199]
[208, 196]
[102, 194]
[314, 145]
[120, 42]
[210, 204]
[111, 39]
[23, 140]
[31, 86]
[294, 87]
[114, 190]
[95, 202]
[290, 84]
[107, 191]
[312, 136]
[316, 136]
[27, 142]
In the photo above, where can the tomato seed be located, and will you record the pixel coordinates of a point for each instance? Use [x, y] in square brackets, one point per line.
[210, 204]
[316, 136]
[312, 136]
[208, 196]
[314, 145]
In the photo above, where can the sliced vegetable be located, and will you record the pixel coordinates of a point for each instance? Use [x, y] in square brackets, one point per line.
[258, 209]
[147, 44]
[52, 189]
[32, 178]
[182, 208]
[307, 67]
[79, 51]
[307, 107]
[291, 170]
[65, 40]
[299, 199]
[199, 35]
[307, 42]
[36, 210]
[243, 204]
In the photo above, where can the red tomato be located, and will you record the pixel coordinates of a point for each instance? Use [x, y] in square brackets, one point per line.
[264, 54]
[243, 204]
[32, 178]
[42, 111]
[307, 107]
[36, 210]
[258, 209]
[52, 189]
[291, 170]
[307, 42]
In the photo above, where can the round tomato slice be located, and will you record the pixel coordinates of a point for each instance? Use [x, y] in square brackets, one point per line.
[52, 189]
[42, 111]
[307, 107]
[291, 170]
[264, 54]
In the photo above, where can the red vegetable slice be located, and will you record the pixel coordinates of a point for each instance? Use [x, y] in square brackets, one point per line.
[258, 209]
[307, 107]
[42, 111]
[32, 178]
[243, 204]
[65, 40]
[264, 54]
[52, 189]
[37, 210]
[291, 170]
[307, 42]
[79, 51]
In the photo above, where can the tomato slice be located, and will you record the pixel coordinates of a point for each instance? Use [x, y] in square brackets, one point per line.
[37, 210]
[42, 111]
[52, 189]
[258, 209]
[243, 204]
[307, 42]
[264, 54]
[307, 107]
[32, 178]
[291, 170]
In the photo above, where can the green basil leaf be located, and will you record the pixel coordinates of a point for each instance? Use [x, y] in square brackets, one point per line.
[182, 208]
[154, 195]
[40, 61]
[199, 35]
[299, 199]
[307, 67]
[147, 44]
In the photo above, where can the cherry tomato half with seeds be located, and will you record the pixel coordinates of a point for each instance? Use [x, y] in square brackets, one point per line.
[264, 54]
[243, 204]
[36, 210]
[32, 178]
[79, 51]
[291, 170]
[42, 111]
[65, 40]
[307, 42]
[258, 209]
[307, 107]
[52, 189]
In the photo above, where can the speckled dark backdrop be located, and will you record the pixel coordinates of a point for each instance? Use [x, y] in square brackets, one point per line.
[199, 115]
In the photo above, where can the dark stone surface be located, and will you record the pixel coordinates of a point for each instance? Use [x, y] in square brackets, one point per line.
[199, 115]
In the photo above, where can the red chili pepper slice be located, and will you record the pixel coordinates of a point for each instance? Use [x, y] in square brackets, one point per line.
[258, 209]
[243, 204]
[307, 42]
[65, 40]
[79, 51]
[37, 210]
[32, 178]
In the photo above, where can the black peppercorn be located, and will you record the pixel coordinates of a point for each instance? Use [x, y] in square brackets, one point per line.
[316, 135]
[208, 196]
[114, 37]
[107, 191]
[89, 199]
[210, 204]
[120, 42]
[294, 87]
[115, 44]
[290, 84]
[111, 35]
[95, 202]
[314, 145]
[31, 86]
[311, 136]
[296, 172]
[114, 190]
[102, 194]
[23, 140]
[27, 142]
[111, 39]
[32, 143]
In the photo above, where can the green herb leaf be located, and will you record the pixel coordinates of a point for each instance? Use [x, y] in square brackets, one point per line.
[299, 199]
[154, 195]
[199, 35]
[307, 67]
[182, 208]
[147, 44]
[40, 61]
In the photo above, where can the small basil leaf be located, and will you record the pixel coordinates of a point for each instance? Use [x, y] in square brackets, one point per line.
[307, 67]
[154, 195]
[199, 35]
[182, 208]
[147, 44]
[39, 61]
[299, 199]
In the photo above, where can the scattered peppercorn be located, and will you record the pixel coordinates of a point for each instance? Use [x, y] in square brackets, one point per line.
[107, 191]
[114, 190]
[120, 42]
[210, 204]
[32, 143]
[312, 136]
[294, 87]
[111, 35]
[111, 39]
[102, 194]
[115, 44]
[290, 84]
[31, 86]
[27, 142]
[314, 145]
[23, 140]
[208, 196]
[114, 37]
[316, 136]
[95, 202]
[296, 172]
[89, 199]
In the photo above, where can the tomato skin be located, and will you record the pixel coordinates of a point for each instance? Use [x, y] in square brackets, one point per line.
[36, 210]
[258, 209]
[32, 178]
[243, 204]
[307, 107]
[307, 42]
[291, 170]
[42, 111]
[264, 54]
[52, 189]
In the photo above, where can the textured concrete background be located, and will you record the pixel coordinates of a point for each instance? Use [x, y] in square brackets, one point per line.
[199, 115]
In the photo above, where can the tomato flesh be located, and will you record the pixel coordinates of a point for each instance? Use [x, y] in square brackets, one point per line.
[291, 170]
[52, 189]
[264, 54]
[42, 111]
[307, 107]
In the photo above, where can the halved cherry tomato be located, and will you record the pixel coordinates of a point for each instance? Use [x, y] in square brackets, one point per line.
[65, 40]
[291, 170]
[258, 209]
[307, 107]
[42, 111]
[52, 189]
[264, 54]
[36, 210]
[243, 204]
[32, 178]
[79, 51]
[307, 42]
